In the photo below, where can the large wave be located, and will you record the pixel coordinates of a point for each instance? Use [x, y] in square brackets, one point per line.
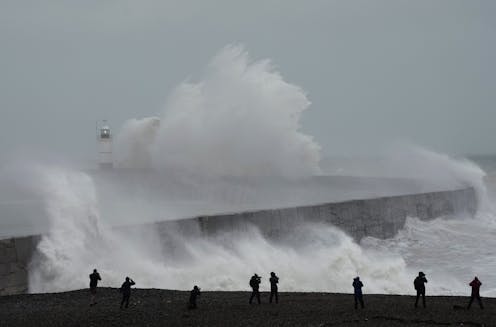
[241, 119]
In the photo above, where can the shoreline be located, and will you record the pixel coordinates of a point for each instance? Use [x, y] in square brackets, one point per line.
[157, 307]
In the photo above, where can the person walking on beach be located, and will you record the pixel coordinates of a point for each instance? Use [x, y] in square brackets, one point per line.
[255, 284]
[195, 292]
[357, 286]
[419, 284]
[94, 278]
[126, 291]
[273, 287]
[475, 284]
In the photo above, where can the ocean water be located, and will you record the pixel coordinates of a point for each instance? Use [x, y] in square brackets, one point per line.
[241, 120]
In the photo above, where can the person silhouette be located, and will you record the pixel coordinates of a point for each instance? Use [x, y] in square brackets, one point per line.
[273, 287]
[195, 292]
[126, 291]
[357, 286]
[475, 284]
[419, 284]
[255, 284]
[94, 278]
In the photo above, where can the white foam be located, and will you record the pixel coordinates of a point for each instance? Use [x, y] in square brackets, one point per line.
[241, 119]
[312, 258]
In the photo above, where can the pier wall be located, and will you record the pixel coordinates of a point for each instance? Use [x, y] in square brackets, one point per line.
[379, 217]
[15, 256]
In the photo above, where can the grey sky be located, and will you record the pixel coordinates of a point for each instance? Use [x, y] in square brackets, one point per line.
[375, 71]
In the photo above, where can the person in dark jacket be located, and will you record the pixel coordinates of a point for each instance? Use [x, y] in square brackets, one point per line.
[255, 284]
[94, 278]
[195, 292]
[126, 291]
[273, 287]
[357, 286]
[419, 284]
[475, 284]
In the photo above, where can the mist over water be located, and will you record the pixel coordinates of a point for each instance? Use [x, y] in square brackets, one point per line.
[134, 142]
[241, 120]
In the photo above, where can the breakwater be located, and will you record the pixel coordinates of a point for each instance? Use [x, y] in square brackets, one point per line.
[378, 217]
[15, 257]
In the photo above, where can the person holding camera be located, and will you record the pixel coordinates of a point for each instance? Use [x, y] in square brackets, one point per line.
[357, 287]
[126, 291]
[195, 292]
[475, 284]
[273, 287]
[94, 278]
[419, 284]
[255, 281]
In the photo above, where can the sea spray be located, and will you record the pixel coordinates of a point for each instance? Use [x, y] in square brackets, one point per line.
[134, 142]
[451, 249]
[436, 170]
[429, 169]
[241, 119]
[76, 240]
[74, 236]
[313, 257]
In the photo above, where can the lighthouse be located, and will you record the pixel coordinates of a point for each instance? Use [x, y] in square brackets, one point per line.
[105, 146]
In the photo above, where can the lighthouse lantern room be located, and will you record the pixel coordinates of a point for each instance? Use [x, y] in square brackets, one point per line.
[105, 146]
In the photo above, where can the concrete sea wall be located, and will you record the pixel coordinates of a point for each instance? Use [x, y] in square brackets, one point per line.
[15, 256]
[379, 217]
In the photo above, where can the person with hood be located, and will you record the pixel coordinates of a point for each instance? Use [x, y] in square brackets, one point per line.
[255, 284]
[273, 287]
[94, 278]
[357, 286]
[419, 284]
[475, 284]
[195, 292]
[126, 291]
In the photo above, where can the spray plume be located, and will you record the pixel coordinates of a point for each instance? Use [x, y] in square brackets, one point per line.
[241, 119]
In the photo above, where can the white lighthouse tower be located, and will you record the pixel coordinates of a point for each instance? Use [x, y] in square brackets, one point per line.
[104, 137]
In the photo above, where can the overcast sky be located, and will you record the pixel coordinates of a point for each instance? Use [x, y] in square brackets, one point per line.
[376, 72]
